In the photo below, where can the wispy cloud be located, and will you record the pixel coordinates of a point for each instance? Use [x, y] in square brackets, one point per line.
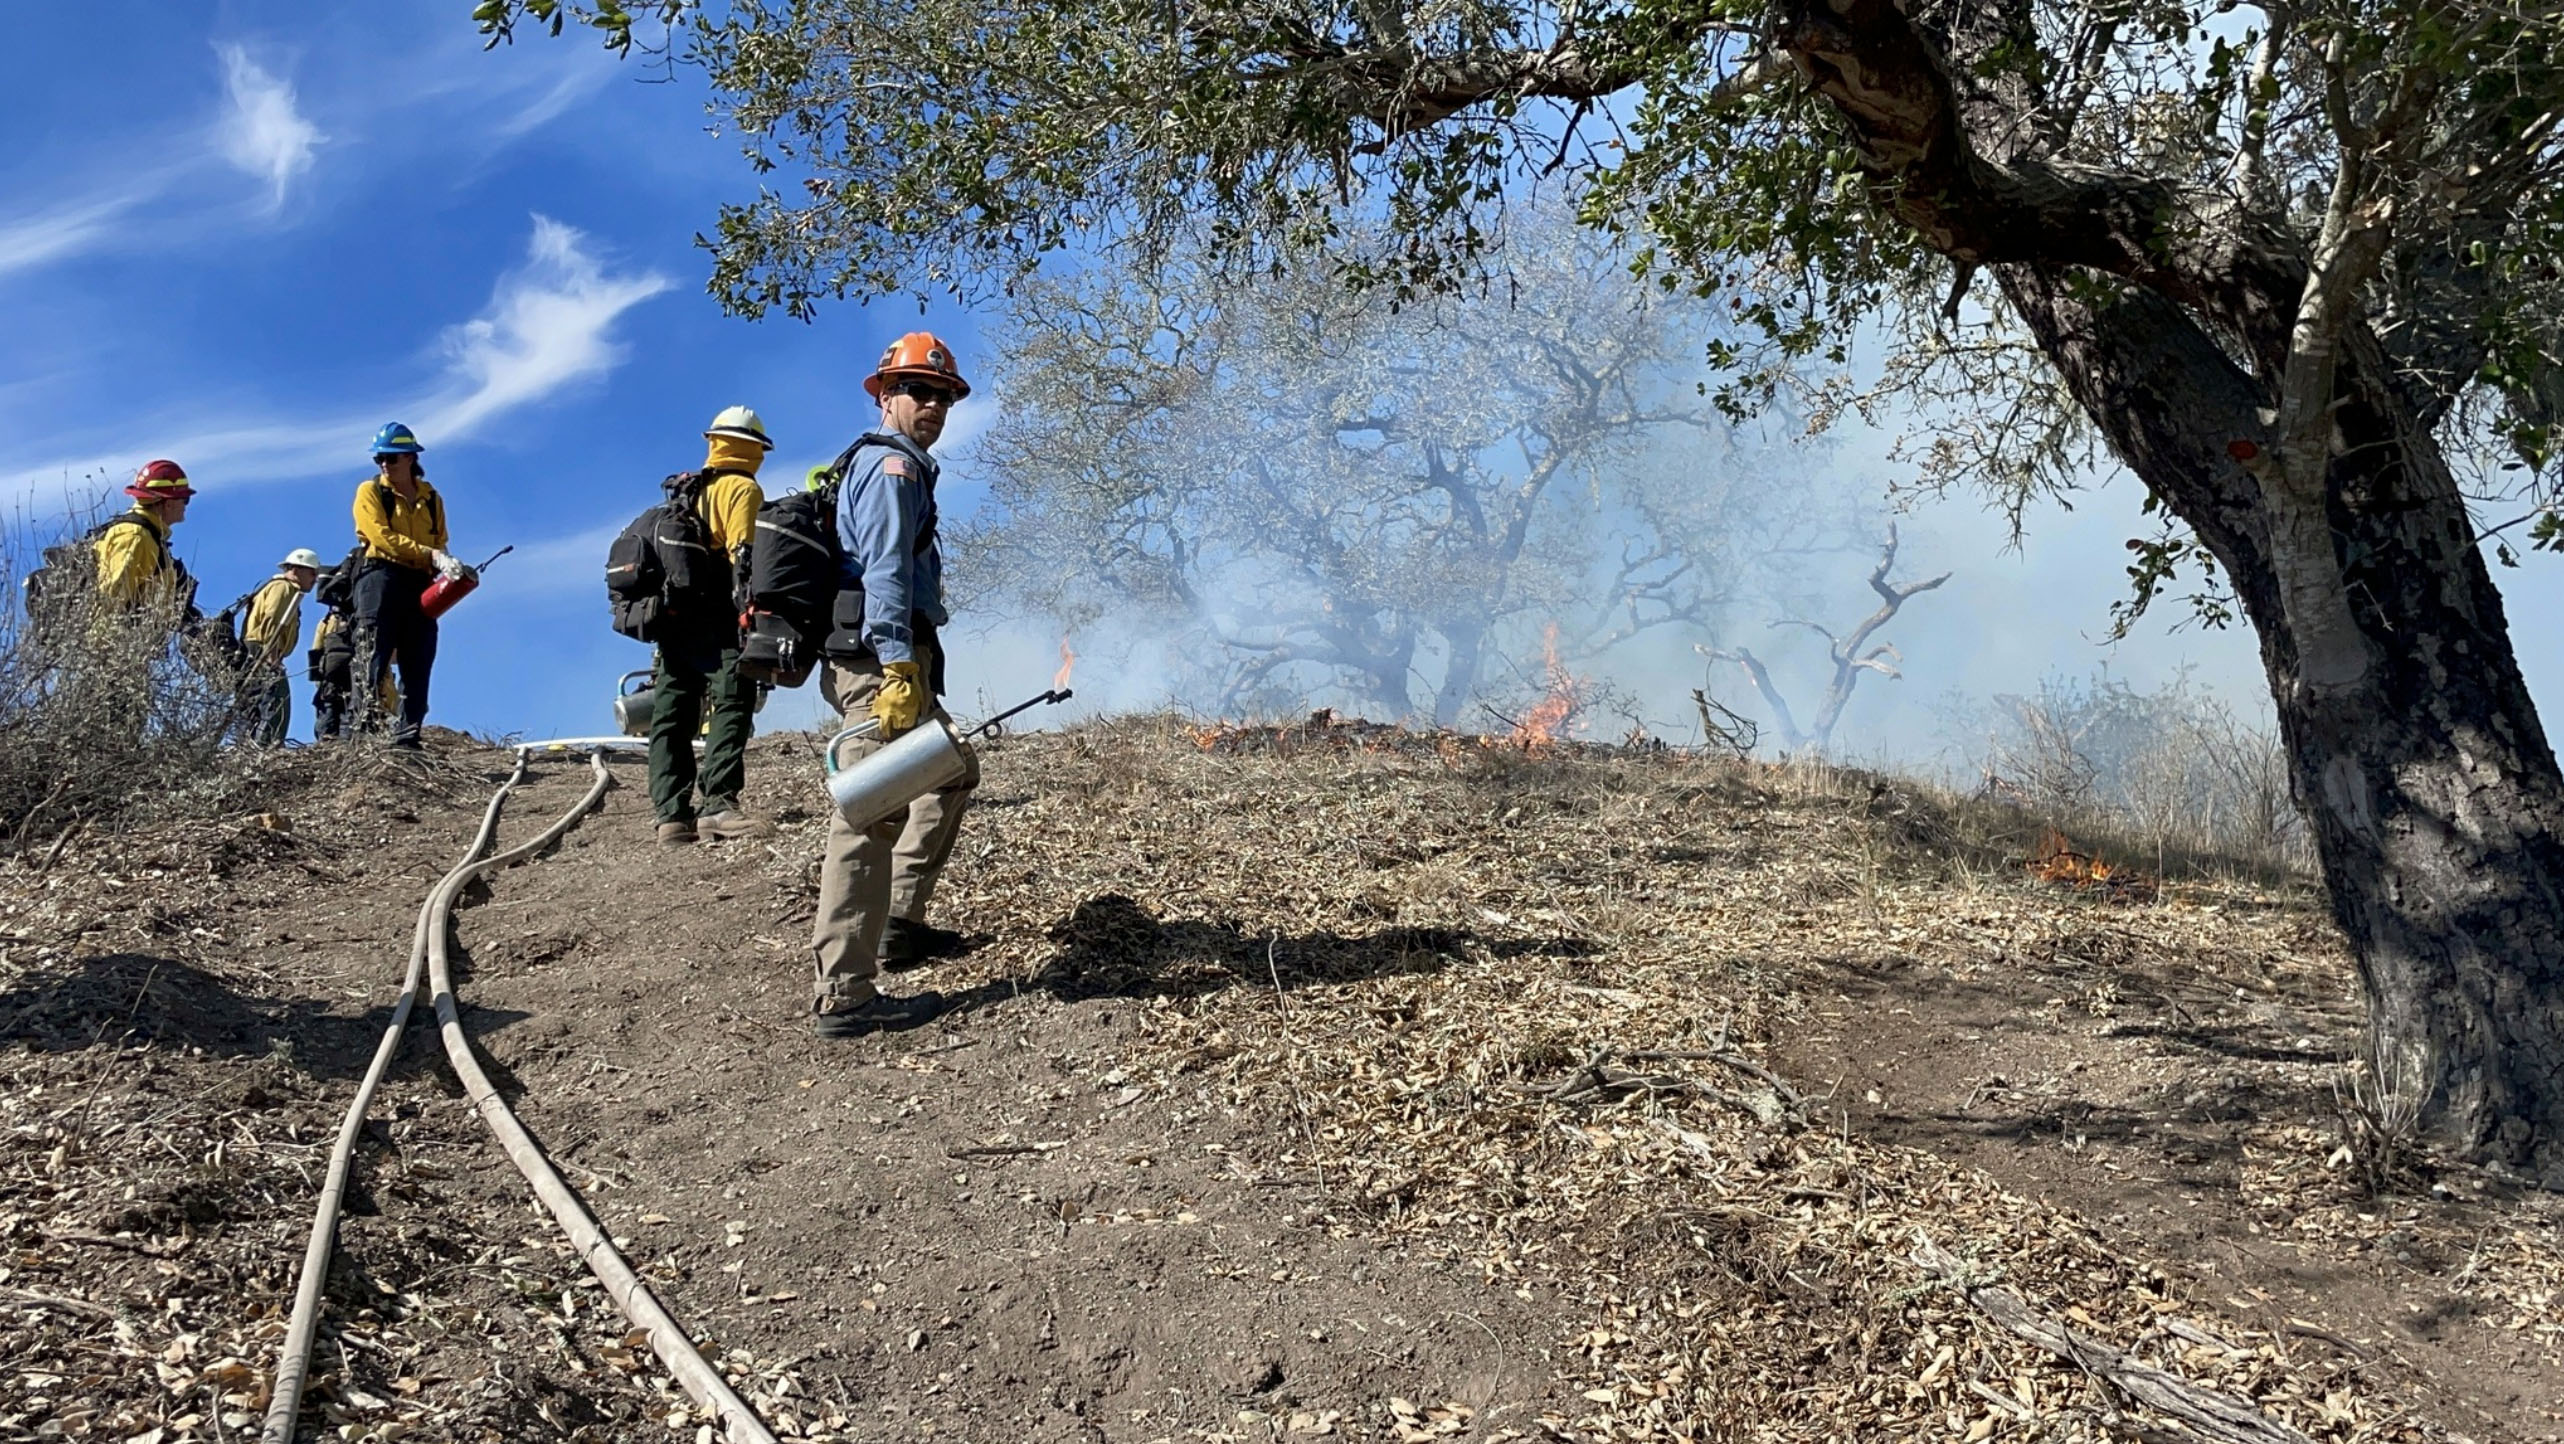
[262, 133]
[75, 227]
[549, 326]
[579, 79]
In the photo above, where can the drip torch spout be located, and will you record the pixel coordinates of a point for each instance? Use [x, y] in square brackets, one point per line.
[996, 726]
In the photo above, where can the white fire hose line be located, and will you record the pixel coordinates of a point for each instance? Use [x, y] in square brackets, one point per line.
[695, 1374]
[294, 1362]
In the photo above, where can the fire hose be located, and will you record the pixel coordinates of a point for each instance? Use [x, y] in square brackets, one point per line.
[428, 950]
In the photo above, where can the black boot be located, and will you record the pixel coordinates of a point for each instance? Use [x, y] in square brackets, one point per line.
[906, 944]
[877, 1014]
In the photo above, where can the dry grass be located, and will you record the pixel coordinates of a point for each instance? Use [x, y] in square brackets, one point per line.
[108, 716]
[2175, 773]
[158, 1163]
[1511, 1012]
[1511, 1008]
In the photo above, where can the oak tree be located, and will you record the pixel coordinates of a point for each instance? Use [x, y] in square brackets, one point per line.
[1286, 484]
[1847, 657]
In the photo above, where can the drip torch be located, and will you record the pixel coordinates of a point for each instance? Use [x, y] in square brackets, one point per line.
[444, 592]
[929, 757]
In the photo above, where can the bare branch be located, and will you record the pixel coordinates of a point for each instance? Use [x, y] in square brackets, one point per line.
[1792, 739]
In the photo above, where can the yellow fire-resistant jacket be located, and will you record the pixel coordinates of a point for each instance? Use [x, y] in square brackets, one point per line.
[729, 505]
[404, 533]
[133, 562]
[274, 627]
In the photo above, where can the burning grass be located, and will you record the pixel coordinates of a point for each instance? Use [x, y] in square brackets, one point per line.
[1542, 730]
[2057, 861]
[1546, 724]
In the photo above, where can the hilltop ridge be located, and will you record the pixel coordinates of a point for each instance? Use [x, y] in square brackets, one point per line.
[1305, 1082]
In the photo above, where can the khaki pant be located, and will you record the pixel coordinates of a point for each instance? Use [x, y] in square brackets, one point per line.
[886, 871]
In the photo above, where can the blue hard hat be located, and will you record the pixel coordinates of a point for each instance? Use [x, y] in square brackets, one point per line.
[396, 440]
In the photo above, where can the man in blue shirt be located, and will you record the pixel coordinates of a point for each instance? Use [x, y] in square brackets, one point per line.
[885, 663]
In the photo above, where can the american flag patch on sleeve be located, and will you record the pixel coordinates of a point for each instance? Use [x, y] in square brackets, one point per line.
[894, 465]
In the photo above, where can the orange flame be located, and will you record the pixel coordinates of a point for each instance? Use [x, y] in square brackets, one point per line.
[1067, 664]
[1547, 722]
[2057, 861]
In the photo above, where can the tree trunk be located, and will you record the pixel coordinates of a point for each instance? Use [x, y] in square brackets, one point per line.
[1459, 673]
[1389, 685]
[2435, 800]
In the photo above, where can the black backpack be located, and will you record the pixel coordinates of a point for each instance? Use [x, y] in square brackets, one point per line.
[662, 574]
[336, 589]
[222, 631]
[795, 574]
[795, 570]
[69, 571]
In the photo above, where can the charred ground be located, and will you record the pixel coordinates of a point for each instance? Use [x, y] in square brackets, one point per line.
[1313, 1081]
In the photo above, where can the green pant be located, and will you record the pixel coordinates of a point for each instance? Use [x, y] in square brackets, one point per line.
[687, 678]
[275, 709]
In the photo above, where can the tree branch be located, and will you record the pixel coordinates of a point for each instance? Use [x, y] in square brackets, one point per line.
[1791, 738]
[1894, 88]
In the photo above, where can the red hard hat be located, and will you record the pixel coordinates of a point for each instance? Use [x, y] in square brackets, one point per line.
[160, 481]
[917, 354]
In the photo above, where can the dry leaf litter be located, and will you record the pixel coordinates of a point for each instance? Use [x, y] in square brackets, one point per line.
[1515, 1009]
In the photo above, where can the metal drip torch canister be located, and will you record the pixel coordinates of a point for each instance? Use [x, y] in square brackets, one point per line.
[928, 758]
[633, 705]
[883, 784]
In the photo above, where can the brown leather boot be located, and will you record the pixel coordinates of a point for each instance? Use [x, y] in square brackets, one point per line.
[732, 822]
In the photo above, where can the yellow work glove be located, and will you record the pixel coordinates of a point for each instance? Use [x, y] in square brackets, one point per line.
[900, 702]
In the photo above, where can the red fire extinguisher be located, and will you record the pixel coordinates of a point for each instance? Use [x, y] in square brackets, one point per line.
[444, 592]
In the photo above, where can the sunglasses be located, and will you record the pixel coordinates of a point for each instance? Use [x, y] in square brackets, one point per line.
[925, 393]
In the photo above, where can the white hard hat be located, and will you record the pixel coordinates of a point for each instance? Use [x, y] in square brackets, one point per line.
[740, 422]
[302, 557]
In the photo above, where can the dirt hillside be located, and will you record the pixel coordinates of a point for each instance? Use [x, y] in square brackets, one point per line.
[1317, 1082]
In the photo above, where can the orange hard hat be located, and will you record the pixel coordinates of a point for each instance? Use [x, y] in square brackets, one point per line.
[917, 354]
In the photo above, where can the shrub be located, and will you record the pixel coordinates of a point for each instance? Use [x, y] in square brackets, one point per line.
[106, 713]
[2174, 769]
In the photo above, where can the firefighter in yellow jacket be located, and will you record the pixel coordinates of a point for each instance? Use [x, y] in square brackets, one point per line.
[698, 660]
[270, 633]
[135, 570]
[401, 520]
[139, 596]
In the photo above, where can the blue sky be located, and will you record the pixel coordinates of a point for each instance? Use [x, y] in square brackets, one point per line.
[245, 234]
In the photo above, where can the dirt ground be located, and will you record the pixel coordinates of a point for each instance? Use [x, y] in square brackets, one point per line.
[1298, 1085]
[2170, 1097]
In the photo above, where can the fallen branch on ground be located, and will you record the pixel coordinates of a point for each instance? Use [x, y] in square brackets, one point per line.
[1002, 1150]
[2218, 1416]
[29, 1298]
[1596, 1078]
